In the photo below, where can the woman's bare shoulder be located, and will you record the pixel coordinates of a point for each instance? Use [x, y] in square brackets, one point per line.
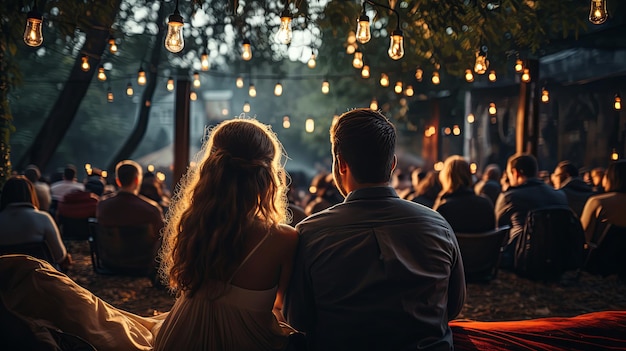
[286, 234]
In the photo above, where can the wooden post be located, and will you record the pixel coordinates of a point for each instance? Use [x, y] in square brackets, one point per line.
[527, 124]
[181, 129]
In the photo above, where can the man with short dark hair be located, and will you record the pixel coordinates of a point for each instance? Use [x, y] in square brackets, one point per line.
[374, 272]
[66, 185]
[41, 188]
[566, 178]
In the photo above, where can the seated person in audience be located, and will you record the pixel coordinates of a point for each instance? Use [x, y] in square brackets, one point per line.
[21, 222]
[609, 207]
[126, 207]
[597, 175]
[42, 189]
[489, 185]
[64, 186]
[526, 192]
[151, 188]
[80, 204]
[458, 204]
[566, 178]
[225, 249]
[427, 190]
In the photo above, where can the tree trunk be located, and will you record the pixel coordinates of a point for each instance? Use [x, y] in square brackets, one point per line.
[6, 127]
[146, 98]
[64, 110]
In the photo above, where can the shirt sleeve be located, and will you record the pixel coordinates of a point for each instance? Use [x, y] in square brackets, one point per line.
[299, 306]
[53, 239]
[456, 288]
[588, 218]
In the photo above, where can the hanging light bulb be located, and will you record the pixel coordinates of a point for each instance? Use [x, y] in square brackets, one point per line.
[246, 107]
[278, 89]
[109, 95]
[526, 75]
[363, 33]
[365, 72]
[492, 76]
[85, 64]
[246, 50]
[456, 130]
[374, 104]
[396, 45]
[419, 74]
[409, 90]
[312, 63]
[384, 80]
[469, 76]
[141, 76]
[325, 86]
[470, 118]
[351, 37]
[252, 90]
[196, 80]
[398, 87]
[519, 66]
[545, 95]
[193, 96]
[112, 45]
[129, 89]
[286, 122]
[614, 155]
[481, 64]
[174, 41]
[492, 108]
[101, 74]
[283, 36]
[204, 61]
[435, 78]
[597, 12]
[170, 84]
[617, 103]
[351, 48]
[239, 82]
[32, 33]
[309, 125]
[357, 61]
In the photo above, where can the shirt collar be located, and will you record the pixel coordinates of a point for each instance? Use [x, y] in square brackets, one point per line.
[371, 192]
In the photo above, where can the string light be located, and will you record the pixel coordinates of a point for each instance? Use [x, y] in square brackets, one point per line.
[365, 72]
[204, 61]
[193, 96]
[112, 45]
[481, 64]
[492, 76]
[469, 76]
[174, 40]
[32, 33]
[470, 118]
[283, 36]
[617, 103]
[398, 87]
[325, 86]
[374, 104]
[351, 48]
[597, 12]
[519, 66]
[101, 74]
[384, 80]
[170, 84]
[409, 90]
[435, 79]
[252, 90]
[141, 76]
[396, 46]
[85, 64]
[286, 122]
[246, 107]
[456, 130]
[129, 89]
[246, 50]
[363, 33]
[239, 82]
[312, 63]
[109, 95]
[614, 155]
[196, 80]
[526, 75]
[278, 89]
[309, 125]
[430, 131]
[492, 108]
[447, 131]
[419, 74]
[545, 95]
[150, 168]
[357, 61]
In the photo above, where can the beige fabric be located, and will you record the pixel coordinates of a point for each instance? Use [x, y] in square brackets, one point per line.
[38, 294]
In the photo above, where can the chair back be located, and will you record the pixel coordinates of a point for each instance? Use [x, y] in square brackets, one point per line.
[39, 249]
[606, 251]
[74, 228]
[124, 250]
[481, 253]
[552, 243]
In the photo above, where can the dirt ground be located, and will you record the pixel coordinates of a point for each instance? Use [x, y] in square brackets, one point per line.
[507, 297]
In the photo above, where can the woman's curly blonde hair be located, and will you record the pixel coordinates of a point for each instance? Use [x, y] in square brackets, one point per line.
[238, 181]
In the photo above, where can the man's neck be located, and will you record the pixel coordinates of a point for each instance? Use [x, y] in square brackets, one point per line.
[129, 190]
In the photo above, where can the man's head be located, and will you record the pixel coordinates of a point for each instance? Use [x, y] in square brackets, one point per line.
[69, 173]
[32, 173]
[520, 167]
[563, 171]
[128, 175]
[363, 145]
[492, 172]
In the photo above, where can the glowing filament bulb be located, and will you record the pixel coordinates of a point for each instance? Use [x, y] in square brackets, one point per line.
[278, 89]
[526, 75]
[252, 90]
[469, 76]
[85, 64]
[193, 96]
[246, 53]
[363, 34]
[312, 63]
[357, 61]
[246, 107]
[204, 61]
[283, 36]
[597, 12]
[519, 66]
[32, 33]
[309, 125]
[325, 86]
[101, 75]
[196, 80]
[112, 45]
[470, 118]
[409, 90]
[419, 74]
[492, 108]
[396, 45]
[286, 122]
[456, 130]
[170, 84]
[129, 89]
[239, 82]
[365, 72]
[374, 104]
[350, 49]
[481, 64]
[614, 155]
[398, 87]
[617, 103]
[492, 76]
[141, 77]
[109, 95]
[435, 79]
[384, 80]
[545, 95]
[174, 41]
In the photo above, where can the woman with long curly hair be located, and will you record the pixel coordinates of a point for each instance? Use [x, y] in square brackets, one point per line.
[225, 252]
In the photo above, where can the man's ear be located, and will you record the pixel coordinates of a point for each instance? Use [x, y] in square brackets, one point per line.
[117, 181]
[342, 166]
[394, 164]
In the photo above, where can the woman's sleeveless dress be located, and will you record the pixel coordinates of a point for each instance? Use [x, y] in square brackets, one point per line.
[241, 319]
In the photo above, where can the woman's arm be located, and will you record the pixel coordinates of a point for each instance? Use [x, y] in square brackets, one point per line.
[289, 237]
